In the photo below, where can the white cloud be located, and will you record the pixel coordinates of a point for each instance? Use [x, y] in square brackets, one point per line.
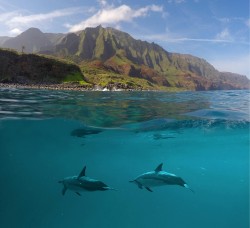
[224, 35]
[176, 1]
[114, 15]
[15, 31]
[156, 8]
[5, 17]
[103, 3]
[17, 21]
[224, 19]
[176, 39]
[26, 20]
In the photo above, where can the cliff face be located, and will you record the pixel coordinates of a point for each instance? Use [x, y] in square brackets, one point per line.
[119, 53]
[108, 44]
[34, 69]
[236, 80]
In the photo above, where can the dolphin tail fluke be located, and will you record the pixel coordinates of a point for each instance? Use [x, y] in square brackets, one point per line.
[186, 186]
[109, 188]
[64, 190]
[150, 190]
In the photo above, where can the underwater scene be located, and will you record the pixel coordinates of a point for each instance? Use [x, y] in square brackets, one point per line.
[124, 159]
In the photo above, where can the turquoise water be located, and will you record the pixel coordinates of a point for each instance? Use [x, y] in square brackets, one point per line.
[48, 135]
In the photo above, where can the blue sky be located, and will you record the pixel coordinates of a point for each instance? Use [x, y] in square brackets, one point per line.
[216, 30]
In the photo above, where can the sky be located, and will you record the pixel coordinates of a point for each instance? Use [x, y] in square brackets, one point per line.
[215, 30]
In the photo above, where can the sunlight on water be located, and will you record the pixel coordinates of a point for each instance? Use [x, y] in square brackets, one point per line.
[203, 137]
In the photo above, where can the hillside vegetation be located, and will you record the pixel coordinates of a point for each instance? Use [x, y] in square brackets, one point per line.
[36, 69]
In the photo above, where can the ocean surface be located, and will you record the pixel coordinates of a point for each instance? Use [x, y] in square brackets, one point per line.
[46, 136]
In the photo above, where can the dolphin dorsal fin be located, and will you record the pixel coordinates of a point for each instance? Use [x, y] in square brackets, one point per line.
[159, 168]
[82, 173]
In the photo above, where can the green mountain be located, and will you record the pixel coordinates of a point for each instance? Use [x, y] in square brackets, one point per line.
[120, 53]
[109, 57]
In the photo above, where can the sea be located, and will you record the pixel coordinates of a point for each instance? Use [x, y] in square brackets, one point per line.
[202, 137]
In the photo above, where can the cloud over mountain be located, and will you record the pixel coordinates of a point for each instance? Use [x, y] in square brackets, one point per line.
[112, 16]
[18, 21]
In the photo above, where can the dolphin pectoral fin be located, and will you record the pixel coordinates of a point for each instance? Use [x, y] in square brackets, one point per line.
[139, 184]
[148, 189]
[159, 168]
[78, 193]
[82, 173]
[64, 190]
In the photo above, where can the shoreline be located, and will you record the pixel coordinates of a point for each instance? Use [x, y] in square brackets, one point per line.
[68, 87]
[43, 86]
[85, 88]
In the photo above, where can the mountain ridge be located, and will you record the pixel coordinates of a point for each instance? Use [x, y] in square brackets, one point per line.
[119, 53]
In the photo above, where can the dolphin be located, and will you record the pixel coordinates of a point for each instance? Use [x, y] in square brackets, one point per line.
[158, 177]
[83, 183]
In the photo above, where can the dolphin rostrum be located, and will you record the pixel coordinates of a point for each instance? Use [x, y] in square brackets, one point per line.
[83, 183]
[158, 177]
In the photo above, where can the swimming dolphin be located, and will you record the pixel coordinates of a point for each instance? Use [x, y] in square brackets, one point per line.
[158, 178]
[83, 183]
